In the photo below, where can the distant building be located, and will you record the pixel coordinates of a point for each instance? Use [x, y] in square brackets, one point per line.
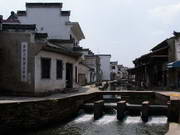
[159, 68]
[105, 66]
[114, 70]
[93, 62]
[118, 72]
[84, 74]
[131, 75]
[122, 72]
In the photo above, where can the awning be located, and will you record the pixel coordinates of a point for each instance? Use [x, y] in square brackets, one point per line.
[175, 64]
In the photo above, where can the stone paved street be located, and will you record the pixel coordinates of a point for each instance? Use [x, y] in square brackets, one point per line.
[14, 99]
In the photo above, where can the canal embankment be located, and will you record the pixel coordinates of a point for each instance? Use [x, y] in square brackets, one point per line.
[30, 113]
[34, 114]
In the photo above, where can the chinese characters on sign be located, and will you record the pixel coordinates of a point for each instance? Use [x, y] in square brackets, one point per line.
[24, 60]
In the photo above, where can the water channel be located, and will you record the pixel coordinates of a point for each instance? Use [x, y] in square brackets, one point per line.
[84, 124]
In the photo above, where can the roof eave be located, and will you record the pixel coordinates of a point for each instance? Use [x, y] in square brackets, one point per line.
[60, 51]
[77, 27]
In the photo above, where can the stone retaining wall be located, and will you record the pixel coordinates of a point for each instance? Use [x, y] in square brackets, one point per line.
[34, 114]
[162, 99]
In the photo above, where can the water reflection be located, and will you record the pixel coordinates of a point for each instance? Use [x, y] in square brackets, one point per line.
[109, 125]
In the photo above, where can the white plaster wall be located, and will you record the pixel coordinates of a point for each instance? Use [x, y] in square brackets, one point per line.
[91, 62]
[48, 20]
[43, 85]
[105, 66]
[114, 70]
[177, 48]
[84, 70]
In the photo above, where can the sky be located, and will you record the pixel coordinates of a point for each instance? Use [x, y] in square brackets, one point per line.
[126, 29]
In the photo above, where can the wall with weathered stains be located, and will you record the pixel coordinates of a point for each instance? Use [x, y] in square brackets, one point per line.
[91, 61]
[105, 66]
[82, 69]
[10, 69]
[45, 85]
[35, 114]
[48, 20]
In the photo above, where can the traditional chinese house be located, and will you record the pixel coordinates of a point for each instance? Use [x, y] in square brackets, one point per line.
[31, 64]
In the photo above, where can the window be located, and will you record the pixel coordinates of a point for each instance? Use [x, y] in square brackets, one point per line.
[45, 68]
[71, 37]
[59, 69]
[113, 67]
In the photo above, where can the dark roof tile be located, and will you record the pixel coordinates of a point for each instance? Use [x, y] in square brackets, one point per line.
[59, 5]
[21, 13]
[19, 27]
[65, 13]
[41, 35]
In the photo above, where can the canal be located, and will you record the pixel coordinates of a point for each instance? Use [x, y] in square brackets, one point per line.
[84, 124]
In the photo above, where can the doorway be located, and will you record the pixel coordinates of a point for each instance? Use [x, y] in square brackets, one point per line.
[69, 75]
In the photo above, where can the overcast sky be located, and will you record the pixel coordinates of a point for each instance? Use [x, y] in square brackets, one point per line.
[126, 29]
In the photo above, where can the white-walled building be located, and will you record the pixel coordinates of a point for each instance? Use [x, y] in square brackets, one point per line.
[50, 18]
[92, 61]
[122, 72]
[66, 77]
[84, 74]
[114, 69]
[105, 66]
[37, 65]
[49, 37]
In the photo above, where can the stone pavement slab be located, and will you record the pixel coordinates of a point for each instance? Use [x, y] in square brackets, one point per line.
[16, 99]
[173, 94]
[174, 129]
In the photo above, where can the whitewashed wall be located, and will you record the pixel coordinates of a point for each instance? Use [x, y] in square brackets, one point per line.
[84, 70]
[114, 70]
[48, 20]
[42, 85]
[91, 62]
[105, 66]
